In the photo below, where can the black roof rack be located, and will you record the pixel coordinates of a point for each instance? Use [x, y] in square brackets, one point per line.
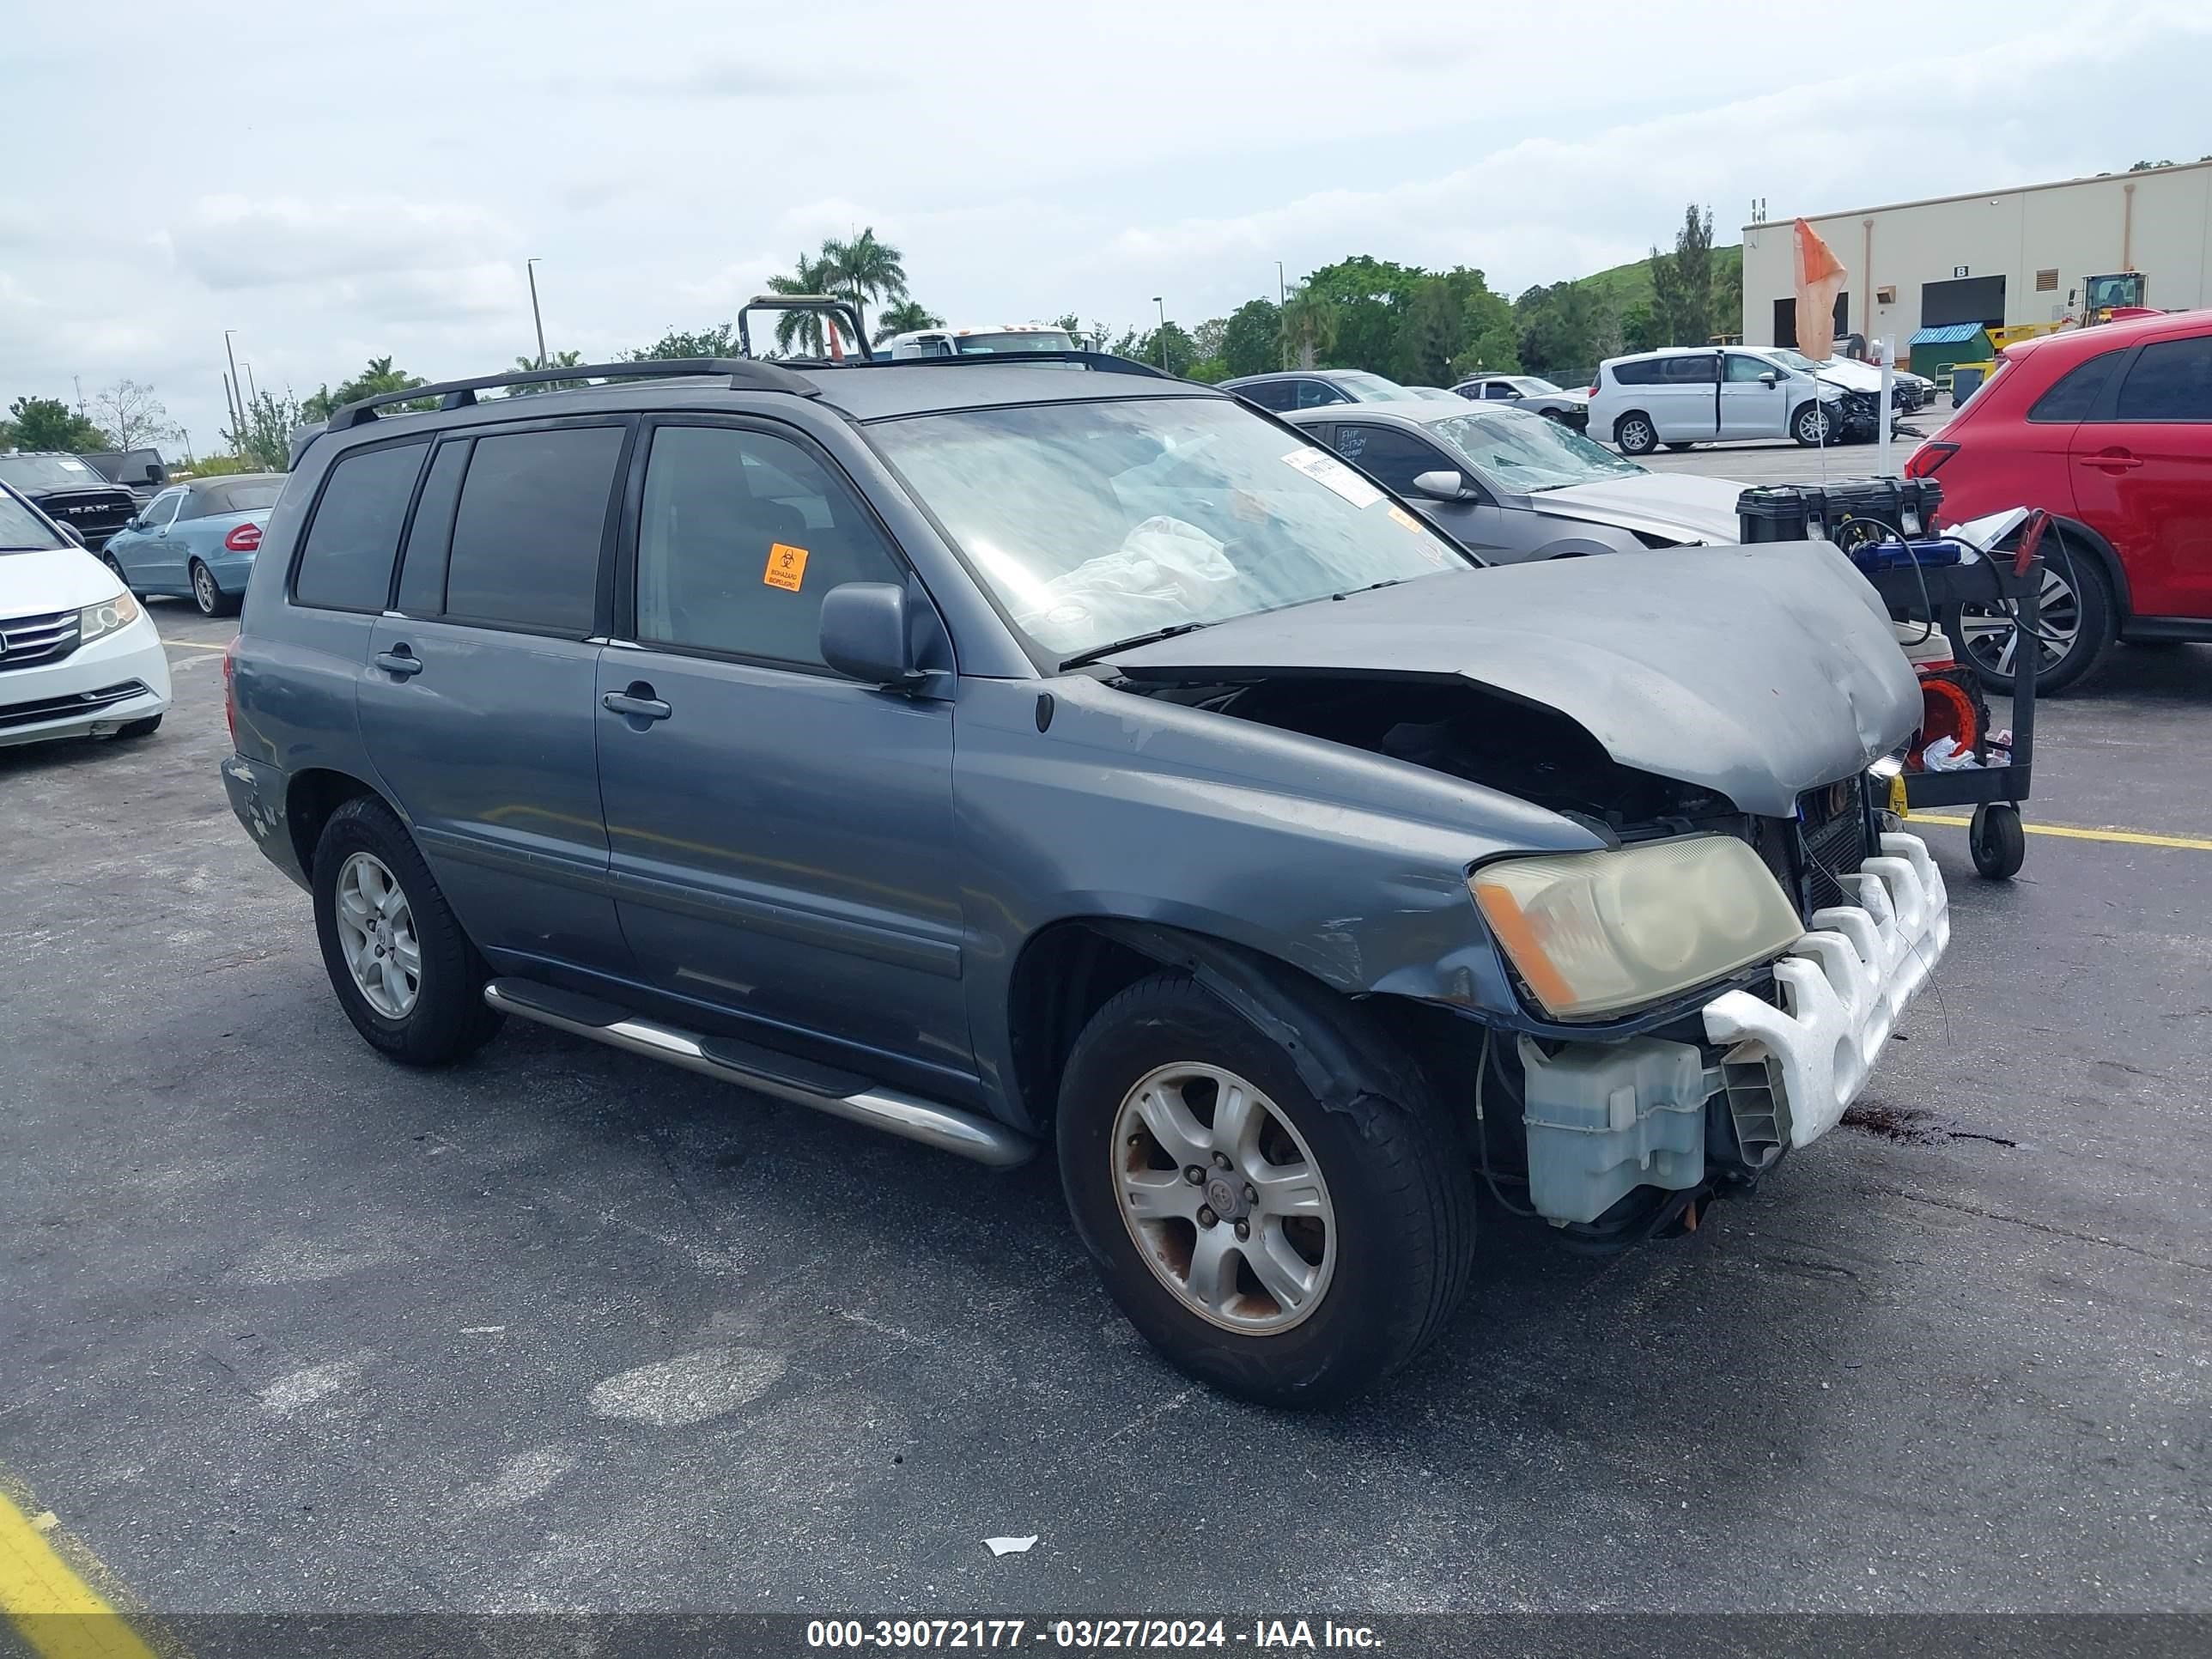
[830, 302]
[741, 372]
[1102, 362]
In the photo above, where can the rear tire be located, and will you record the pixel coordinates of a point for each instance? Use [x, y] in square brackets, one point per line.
[1634, 434]
[433, 1016]
[210, 599]
[1361, 1216]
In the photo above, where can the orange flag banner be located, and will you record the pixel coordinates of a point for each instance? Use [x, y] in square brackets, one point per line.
[1821, 278]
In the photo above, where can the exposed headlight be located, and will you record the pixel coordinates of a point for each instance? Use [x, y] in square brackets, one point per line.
[106, 618]
[1597, 934]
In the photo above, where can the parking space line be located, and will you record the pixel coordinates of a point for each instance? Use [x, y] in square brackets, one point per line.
[193, 645]
[55, 1611]
[2131, 837]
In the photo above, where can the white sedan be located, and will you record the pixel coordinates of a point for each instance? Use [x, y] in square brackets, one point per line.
[79, 657]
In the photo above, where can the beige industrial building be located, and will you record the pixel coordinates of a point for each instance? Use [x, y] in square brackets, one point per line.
[2006, 257]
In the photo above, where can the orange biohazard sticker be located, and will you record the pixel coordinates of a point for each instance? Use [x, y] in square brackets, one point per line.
[786, 567]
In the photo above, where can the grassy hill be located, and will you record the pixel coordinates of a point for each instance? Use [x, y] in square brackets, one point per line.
[1627, 285]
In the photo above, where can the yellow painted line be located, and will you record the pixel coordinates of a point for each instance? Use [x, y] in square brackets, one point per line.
[193, 645]
[2131, 837]
[54, 1610]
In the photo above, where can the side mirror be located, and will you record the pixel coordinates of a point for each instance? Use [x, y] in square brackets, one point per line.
[1770, 379]
[1441, 485]
[864, 633]
[73, 533]
[154, 474]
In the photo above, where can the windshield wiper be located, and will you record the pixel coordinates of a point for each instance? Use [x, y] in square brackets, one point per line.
[1135, 640]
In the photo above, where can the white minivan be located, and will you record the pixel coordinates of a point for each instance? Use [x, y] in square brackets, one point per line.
[1685, 395]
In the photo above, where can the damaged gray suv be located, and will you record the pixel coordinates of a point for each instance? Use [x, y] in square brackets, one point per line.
[1024, 752]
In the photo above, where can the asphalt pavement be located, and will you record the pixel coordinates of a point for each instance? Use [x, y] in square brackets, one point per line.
[284, 1326]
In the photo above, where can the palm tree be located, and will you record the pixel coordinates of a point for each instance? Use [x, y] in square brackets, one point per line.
[1309, 325]
[804, 328]
[903, 318]
[864, 269]
[557, 360]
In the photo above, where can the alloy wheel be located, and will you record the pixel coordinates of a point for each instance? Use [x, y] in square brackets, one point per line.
[376, 931]
[1992, 635]
[204, 591]
[1223, 1198]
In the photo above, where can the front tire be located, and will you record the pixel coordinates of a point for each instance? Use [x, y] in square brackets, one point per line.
[1997, 840]
[210, 597]
[1317, 1248]
[403, 970]
[115, 569]
[145, 728]
[1634, 434]
[1812, 425]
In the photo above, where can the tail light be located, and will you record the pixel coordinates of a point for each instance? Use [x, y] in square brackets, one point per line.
[244, 539]
[230, 686]
[1927, 461]
[1593, 390]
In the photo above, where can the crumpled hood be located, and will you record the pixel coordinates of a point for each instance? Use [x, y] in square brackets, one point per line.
[1678, 504]
[1757, 671]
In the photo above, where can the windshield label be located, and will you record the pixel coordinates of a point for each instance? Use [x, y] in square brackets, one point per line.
[1324, 468]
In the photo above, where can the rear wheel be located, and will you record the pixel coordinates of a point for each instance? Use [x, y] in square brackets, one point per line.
[405, 972]
[2075, 629]
[1634, 434]
[210, 599]
[1288, 1251]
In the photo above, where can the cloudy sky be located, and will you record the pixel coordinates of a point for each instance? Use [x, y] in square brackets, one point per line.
[337, 181]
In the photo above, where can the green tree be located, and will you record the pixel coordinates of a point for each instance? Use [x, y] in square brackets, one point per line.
[719, 341]
[1563, 329]
[904, 317]
[269, 423]
[377, 378]
[1307, 330]
[1252, 340]
[863, 270]
[804, 329]
[51, 424]
[1169, 348]
[1682, 281]
[1370, 297]
[1429, 334]
[557, 360]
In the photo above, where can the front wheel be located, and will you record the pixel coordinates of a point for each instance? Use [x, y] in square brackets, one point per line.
[405, 972]
[210, 599]
[115, 569]
[1997, 840]
[1285, 1250]
[1634, 434]
[1811, 427]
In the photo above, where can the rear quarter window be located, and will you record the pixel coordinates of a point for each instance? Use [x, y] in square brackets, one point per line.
[345, 560]
[2076, 393]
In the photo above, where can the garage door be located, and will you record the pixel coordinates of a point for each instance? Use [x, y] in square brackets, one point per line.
[1963, 300]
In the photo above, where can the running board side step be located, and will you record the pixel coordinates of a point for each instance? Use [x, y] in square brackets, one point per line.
[840, 1094]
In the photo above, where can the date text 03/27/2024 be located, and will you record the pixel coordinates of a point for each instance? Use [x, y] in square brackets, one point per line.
[1085, 1635]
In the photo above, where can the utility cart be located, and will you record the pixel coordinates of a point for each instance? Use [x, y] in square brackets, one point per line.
[1882, 527]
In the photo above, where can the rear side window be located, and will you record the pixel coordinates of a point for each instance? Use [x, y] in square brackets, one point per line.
[533, 512]
[1271, 394]
[2171, 380]
[2077, 391]
[346, 564]
[1700, 370]
[422, 572]
[1641, 371]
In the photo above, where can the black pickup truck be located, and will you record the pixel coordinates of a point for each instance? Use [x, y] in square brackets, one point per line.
[73, 493]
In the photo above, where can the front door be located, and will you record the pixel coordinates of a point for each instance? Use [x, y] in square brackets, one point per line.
[478, 703]
[2142, 475]
[782, 837]
[1395, 457]
[1754, 398]
[155, 558]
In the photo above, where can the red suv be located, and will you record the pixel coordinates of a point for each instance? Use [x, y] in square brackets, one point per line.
[2110, 429]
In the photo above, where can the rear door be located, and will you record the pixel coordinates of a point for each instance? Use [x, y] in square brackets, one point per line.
[1685, 405]
[478, 702]
[782, 837]
[2142, 475]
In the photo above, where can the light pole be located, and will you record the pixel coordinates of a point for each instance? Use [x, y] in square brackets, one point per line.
[1162, 304]
[529, 270]
[252, 389]
[1282, 289]
[237, 387]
